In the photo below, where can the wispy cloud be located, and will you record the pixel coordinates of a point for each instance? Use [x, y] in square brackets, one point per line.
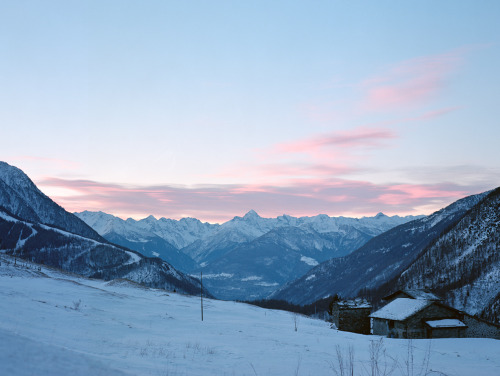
[410, 83]
[359, 137]
[218, 203]
[314, 174]
[317, 157]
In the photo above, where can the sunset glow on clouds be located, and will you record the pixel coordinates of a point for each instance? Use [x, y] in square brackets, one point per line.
[217, 203]
[177, 110]
[410, 83]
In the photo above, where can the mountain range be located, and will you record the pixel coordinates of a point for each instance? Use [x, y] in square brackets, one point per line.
[453, 252]
[247, 257]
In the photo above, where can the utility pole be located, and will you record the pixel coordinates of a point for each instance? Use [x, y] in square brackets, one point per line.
[201, 295]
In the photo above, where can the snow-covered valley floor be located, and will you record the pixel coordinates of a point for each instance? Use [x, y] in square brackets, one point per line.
[52, 323]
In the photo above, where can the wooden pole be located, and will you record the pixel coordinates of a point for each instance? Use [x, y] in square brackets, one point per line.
[201, 295]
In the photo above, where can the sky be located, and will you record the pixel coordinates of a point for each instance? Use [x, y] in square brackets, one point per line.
[209, 109]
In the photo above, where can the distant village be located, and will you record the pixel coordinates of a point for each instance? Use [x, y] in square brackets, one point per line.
[409, 314]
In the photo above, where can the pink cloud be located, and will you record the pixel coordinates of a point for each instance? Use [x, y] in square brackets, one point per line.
[359, 137]
[410, 83]
[218, 203]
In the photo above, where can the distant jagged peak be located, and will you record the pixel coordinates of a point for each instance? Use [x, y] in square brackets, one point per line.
[89, 213]
[321, 218]
[251, 214]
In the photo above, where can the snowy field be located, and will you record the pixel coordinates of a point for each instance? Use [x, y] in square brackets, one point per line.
[53, 323]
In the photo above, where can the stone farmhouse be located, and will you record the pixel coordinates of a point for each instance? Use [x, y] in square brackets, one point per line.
[417, 318]
[421, 314]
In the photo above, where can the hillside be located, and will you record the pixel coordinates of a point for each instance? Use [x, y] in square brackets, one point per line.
[53, 323]
[37, 231]
[20, 196]
[255, 269]
[463, 265]
[378, 261]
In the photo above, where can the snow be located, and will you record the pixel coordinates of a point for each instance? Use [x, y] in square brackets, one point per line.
[446, 323]
[312, 276]
[120, 328]
[251, 278]
[155, 254]
[357, 303]
[309, 261]
[400, 309]
[215, 276]
[187, 231]
[267, 284]
[133, 258]
[421, 294]
[7, 217]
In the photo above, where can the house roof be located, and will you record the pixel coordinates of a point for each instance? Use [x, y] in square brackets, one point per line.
[400, 309]
[415, 294]
[446, 323]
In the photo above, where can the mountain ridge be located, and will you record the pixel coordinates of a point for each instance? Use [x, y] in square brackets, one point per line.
[35, 228]
[20, 196]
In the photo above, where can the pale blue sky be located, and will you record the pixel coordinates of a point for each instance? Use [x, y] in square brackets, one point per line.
[212, 108]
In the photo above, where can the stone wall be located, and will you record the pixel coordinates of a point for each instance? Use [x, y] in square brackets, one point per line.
[351, 319]
[379, 327]
[446, 333]
[477, 328]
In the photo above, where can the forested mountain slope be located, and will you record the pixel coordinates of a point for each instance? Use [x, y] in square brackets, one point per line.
[20, 196]
[463, 265]
[378, 261]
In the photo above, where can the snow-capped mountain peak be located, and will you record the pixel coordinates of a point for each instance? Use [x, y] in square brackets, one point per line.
[252, 214]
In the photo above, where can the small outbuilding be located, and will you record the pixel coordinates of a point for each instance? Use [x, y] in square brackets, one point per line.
[352, 315]
[445, 328]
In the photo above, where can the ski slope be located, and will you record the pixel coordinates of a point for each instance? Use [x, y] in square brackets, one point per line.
[53, 323]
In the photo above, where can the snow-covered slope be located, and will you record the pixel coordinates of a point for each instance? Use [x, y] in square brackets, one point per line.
[56, 324]
[378, 261]
[87, 257]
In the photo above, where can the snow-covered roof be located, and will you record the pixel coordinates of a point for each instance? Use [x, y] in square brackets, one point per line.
[446, 323]
[400, 309]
